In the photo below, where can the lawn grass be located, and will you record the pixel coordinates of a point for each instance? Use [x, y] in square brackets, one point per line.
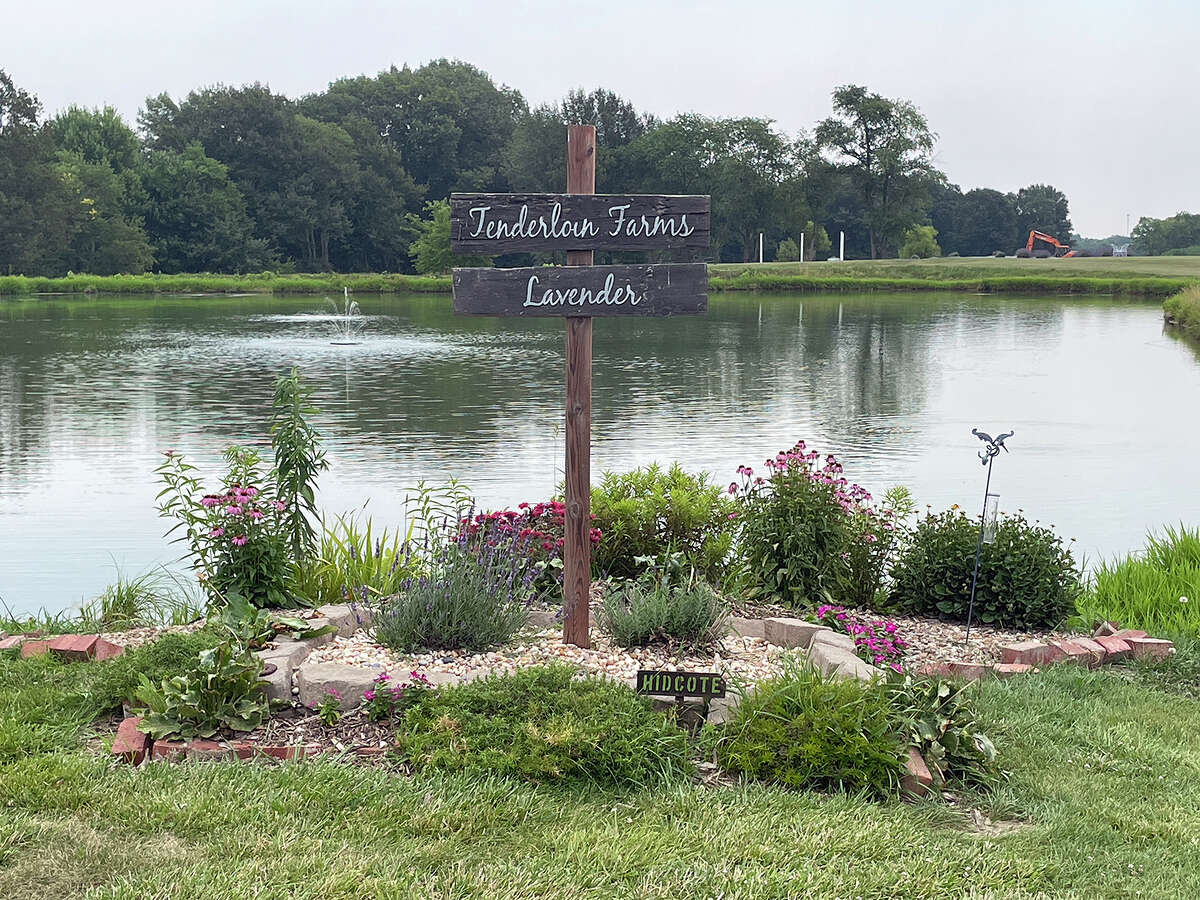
[1155, 276]
[1104, 780]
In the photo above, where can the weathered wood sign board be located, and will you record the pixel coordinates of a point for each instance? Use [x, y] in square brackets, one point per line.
[579, 222]
[491, 224]
[661, 290]
[681, 684]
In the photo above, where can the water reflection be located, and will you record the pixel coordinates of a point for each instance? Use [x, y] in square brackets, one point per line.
[91, 390]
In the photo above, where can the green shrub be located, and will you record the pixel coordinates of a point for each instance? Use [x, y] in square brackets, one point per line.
[222, 690]
[1183, 310]
[466, 597]
[788, 251]
[172, 654]
[920, 242]
[658, 607]
[805, 731]
[649, 512]
[939, 720]
[1157, 591]
[543, 724]
[1027, 576]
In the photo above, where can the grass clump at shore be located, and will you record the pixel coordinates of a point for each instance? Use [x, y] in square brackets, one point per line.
[1183, 310]
[1157, 590]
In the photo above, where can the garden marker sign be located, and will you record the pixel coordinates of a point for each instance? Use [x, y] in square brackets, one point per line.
[681, 684]
[579, 222]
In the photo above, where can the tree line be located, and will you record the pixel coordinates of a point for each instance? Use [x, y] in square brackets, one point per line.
[355, 178]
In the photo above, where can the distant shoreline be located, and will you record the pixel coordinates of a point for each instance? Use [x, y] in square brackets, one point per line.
[1156, 277]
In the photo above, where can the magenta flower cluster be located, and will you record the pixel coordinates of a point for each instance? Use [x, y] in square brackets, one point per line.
[384, 699]
[852, 498]
[238, 512]
[877, 642]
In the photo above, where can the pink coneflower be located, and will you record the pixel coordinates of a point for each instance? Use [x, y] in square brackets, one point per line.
[256, 513]
[210, 500]
[216, 532]
[234, 510]
[279, 505]
[239, 540]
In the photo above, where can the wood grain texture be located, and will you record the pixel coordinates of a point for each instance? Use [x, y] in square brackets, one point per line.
[666, 289]
[577, 544]
[574, 221]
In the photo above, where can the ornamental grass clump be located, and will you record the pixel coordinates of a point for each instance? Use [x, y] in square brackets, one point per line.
[1028, 578]
[1157, 590]
[473, 591]
[663, 607]
[803, 730]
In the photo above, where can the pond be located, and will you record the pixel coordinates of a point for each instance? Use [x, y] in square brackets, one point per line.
[92, 390]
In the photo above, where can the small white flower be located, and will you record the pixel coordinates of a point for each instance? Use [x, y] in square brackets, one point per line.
[1183, 600]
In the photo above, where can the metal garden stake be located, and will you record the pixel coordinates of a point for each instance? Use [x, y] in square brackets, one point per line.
[990, 503]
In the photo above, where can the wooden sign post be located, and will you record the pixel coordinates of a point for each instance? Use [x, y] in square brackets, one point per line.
[579, 222]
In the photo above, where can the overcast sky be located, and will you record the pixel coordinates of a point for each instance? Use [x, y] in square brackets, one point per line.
[1099, 99]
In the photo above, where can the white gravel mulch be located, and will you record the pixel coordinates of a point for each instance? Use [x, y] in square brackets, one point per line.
[749, 659]
[137, 637]
[930, 640]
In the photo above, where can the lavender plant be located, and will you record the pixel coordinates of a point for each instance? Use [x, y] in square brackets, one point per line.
[471, 592]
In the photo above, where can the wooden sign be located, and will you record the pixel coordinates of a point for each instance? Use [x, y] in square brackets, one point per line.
[491, 224]
[681, 684]
[660, 290]
[579, 222]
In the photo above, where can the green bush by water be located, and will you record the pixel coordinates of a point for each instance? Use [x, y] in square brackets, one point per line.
[1028, 577]
[802, 730]
[1157, 590]
[651, 512]
[544, 725]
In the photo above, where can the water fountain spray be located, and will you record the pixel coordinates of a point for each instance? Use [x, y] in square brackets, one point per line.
[987, 519]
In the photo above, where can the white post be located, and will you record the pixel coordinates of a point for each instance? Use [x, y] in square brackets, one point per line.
[802, 246]
[760, 249]
[842, 252]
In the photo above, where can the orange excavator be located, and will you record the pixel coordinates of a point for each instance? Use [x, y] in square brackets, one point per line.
[1059, 248]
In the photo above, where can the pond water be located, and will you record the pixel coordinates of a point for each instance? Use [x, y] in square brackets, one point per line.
[91, 390]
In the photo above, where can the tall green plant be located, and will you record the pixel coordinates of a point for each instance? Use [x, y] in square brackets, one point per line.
[299, 459]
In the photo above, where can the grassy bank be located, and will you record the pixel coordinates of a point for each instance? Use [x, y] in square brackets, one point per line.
[1183, 311]
[1101, 803]
[1130, 276]
[261, 283]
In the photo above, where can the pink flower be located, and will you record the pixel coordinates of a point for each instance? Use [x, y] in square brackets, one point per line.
[733, 487]
[279, 505]
[333, 692]
[234, 510]
[209, 501]
[256, 513]
[239, 541]
[368, 694]
[216, 532]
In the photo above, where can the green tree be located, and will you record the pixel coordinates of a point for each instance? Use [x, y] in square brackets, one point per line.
[35, 207]
[885, 147]
[1152, 237]
[1041, 207]
[105, 241]
[196, 217]
[987, 221]
[920, 241]
[788, 251]
[431, 248]
[816, 241]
